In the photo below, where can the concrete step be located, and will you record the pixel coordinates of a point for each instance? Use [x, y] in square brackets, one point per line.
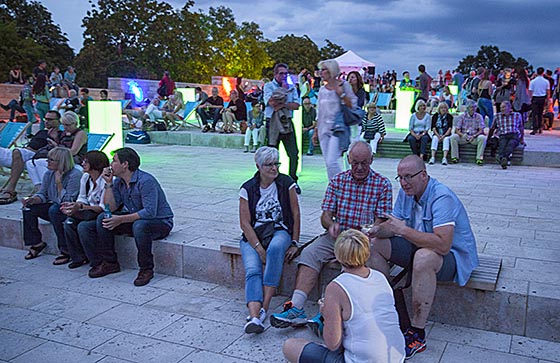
[509, 309]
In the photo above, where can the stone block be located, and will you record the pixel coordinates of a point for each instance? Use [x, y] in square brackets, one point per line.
[494, 311]
[11, 232]
[543, 318]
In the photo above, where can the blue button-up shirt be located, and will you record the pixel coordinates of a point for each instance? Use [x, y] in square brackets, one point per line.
[143, 196]
[440, 207]
[269, 89]
[70, 187]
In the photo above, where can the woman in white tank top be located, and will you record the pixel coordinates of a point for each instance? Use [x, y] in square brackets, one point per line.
[360, 320]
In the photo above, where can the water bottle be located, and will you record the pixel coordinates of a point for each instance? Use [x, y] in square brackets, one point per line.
[107, 212]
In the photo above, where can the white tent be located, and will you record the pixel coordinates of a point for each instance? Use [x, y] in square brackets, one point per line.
[350, 61]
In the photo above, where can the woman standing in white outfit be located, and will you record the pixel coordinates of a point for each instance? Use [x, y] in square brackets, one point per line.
[331, 95]
[358, 326]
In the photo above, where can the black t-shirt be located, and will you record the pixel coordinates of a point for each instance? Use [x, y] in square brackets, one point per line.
[39, 140]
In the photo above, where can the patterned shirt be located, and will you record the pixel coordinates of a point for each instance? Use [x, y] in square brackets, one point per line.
[348, 199]
[468, 124]
[375, 124]
[508, 124]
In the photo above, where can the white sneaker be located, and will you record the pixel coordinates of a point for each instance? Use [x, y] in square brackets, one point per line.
[444, 161]
[254, 326]
[432, 161]
[262, 316]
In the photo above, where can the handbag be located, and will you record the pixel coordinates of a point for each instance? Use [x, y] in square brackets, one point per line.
[352, 116]
[264, 233]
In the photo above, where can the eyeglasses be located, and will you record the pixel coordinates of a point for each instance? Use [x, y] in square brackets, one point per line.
[271, 165]
[282, 73]
[63, 124]
[50, 118]
[307, 103]
[51, 159]
[407, 178]
[324, 69]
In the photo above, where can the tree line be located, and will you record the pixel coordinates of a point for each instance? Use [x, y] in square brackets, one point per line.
[142, 38]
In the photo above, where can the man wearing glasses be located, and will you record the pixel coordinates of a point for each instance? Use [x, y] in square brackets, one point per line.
[15, 159]
[430, 230]
[350, 195]
[309, 121]
[281, 99]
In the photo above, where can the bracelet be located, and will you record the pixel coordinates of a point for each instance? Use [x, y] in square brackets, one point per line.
[256, 245]
[294, 243]
[108, 186]
[81, 206]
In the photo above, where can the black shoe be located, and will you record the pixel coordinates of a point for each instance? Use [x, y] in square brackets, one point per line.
[6, 108]
[532, 133]
[503, 162]
[206, 128]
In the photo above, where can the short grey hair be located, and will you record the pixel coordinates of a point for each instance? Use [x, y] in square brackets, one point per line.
[359, 142]
[70, 117]
[64, 158]
[265, 155]
[418, 104]
[471, 103]
[332, 66]
[441, 104]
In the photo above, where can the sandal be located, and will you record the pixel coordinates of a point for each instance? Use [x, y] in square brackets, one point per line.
[61, 260]
[35, 250]
[8, 197]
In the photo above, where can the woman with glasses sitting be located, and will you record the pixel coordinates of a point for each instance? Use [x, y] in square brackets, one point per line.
[60, 184]
[269, 217]
[72, 138]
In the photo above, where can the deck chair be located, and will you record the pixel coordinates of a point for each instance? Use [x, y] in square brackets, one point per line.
[98, 141]
[384, 99]
[189, 114]
[11, 133]
[125, 103]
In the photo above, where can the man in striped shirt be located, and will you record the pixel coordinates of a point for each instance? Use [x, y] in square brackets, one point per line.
[507, 125]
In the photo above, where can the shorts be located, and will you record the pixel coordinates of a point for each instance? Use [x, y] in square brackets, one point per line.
[316, 353]
[402, 252]
[6, 156]
[318, 253]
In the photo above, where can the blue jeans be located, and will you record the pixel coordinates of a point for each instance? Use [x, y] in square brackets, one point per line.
[30, 111]
[144, 232]
[485, 108]
[81, 248]
[42, 110]
[309, 134]
[254, 277]
[49, 212]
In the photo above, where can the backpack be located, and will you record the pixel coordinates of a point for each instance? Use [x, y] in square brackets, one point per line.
[162, 90]
[138, 137]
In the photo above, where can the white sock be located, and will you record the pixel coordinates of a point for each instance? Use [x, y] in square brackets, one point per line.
[298, 299]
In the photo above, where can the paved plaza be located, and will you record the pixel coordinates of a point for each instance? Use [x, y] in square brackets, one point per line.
[53, 314]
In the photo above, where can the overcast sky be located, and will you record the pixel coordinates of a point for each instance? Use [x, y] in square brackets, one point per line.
[394, 34]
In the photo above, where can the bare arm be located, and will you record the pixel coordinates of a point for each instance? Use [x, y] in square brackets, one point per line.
[439, 241]
[332, 311]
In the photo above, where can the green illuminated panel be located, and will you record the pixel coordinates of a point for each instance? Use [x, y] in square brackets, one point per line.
[105, 117]
[285, 167]
[405, 100]
[188, 94]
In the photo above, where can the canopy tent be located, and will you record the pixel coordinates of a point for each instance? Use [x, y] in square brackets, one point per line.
[350, 61]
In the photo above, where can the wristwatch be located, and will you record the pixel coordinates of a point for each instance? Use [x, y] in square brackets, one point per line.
[294, 243]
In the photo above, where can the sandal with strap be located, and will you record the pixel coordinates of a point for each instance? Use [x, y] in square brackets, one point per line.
[61, 260]
[7, 196]
[35, 250]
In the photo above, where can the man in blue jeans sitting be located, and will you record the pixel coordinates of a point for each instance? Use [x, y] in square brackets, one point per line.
[143, 213]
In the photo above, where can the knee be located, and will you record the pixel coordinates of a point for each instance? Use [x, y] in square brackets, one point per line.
[16, 155]
[140, 227]
[426, 260]
[55, 213]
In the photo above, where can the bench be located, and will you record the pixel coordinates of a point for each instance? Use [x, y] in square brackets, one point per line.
[484, 276]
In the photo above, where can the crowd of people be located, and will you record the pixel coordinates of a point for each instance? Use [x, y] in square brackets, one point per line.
[89, 199]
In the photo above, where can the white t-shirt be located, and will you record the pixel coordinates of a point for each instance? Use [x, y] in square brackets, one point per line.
[268, 207]
[539, 86]
[94, 196]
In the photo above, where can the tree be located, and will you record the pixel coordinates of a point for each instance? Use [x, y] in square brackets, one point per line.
[297, 52]
[36, 36]
[234, 50]
[331, 50]
[491, 58]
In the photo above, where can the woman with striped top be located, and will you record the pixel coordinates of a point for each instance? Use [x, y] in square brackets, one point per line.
[373, 127]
